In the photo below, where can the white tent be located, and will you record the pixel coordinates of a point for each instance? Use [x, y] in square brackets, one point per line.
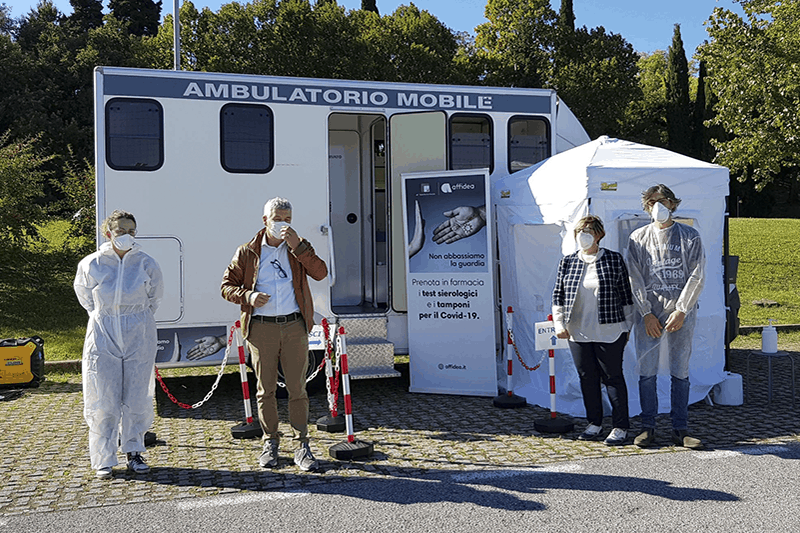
[537, 209]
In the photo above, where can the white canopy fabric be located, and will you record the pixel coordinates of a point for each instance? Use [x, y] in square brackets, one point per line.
[537, 209]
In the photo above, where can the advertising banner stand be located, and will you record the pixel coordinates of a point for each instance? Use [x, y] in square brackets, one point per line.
[447, 221]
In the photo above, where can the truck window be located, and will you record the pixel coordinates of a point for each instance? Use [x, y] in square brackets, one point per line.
[246, 138]
[528, 142]
[134, 134]
[470, 142]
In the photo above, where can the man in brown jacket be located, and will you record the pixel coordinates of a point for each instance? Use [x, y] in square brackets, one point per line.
[267, 278]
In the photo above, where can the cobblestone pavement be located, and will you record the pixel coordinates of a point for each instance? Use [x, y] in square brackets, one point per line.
[45, 467]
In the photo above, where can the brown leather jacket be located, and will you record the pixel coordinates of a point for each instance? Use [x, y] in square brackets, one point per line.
[240, 277]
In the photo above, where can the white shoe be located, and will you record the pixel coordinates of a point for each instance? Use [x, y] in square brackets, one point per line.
[591, 432]
[104, 473]
[617, 437]
[136, 463]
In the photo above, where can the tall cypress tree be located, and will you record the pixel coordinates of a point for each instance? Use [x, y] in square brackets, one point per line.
[370, 5]
[566, 16]
[679, 112]
[86, 14]
[142, 16]
[700, 144]
[565, 46]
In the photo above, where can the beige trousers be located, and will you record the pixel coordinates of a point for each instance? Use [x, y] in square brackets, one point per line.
[287, 344]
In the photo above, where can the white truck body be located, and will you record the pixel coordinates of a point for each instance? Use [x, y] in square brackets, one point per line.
[195, 155]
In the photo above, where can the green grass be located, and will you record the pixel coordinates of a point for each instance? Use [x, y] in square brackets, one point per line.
[769, 268]
[36, 296]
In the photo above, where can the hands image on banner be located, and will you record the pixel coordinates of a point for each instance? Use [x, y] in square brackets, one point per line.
[205, 347]
[461, 222]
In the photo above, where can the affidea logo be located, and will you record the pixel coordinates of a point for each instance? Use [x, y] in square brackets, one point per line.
[452, 367]
[448, 188]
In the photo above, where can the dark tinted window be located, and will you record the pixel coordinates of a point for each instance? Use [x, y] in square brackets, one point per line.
[528, 142]
[134, 134]
[247, 138]
[470, 142]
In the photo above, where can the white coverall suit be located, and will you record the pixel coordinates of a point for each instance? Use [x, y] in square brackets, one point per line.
[119, 353]
[666, 267]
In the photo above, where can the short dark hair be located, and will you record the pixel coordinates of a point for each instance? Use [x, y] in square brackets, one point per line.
[594, 223]
[664, 191]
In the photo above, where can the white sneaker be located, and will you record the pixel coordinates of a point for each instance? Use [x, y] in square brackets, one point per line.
[617, 437]
[136, 463]
[591, 432]
[104, 473]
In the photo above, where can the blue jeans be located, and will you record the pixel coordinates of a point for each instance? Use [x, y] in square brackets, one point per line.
[679, 396]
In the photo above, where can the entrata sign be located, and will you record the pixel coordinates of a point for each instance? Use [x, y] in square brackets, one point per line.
[545, 335]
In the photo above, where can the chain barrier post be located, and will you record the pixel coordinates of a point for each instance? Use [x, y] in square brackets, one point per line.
[553, 424]
[248, 429]
[352, 448]
[509, 400]
[333, 422]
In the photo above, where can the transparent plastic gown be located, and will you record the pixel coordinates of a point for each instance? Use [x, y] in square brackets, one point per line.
[119, 353]
[666, 267]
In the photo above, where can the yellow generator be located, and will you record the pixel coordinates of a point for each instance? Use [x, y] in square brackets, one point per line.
[21, 362]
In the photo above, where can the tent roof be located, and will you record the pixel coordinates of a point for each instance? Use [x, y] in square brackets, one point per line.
[608, 165]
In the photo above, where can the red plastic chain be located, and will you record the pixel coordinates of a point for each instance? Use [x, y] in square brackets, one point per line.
[329, 351]
[513, 343]
[186, 405]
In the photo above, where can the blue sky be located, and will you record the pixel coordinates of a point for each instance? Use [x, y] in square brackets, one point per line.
[646, 25]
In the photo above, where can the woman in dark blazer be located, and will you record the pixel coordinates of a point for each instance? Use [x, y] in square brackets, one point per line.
[593, 308]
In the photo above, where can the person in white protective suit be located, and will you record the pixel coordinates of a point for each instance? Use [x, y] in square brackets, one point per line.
[666, 264]
[121, 287]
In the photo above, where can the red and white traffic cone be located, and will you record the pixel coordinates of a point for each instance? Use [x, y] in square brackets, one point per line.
[352, 448]
[553, 424]
[249, 429]
[509, 400]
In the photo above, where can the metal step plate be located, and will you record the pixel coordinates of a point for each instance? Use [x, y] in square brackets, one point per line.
[364, 326]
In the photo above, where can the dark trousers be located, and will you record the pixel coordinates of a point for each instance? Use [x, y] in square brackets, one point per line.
[601, 362]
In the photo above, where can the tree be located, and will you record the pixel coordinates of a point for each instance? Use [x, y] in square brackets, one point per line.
[595, 73]
[515, 46]
[370, 5]
[86, 14]
[644, 120]
[679, 129]
[141, 16]
[21, 189]
[6, 22]
[754, 73]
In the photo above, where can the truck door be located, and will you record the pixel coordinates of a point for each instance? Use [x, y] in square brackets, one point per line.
[417, 143]
[344, 166]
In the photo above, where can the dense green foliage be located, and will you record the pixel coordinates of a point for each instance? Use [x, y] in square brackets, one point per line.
[754, 68]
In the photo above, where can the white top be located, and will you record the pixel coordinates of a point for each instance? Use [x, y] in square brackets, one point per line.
[270, 281]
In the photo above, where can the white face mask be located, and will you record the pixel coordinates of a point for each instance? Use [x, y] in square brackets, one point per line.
[275, 228]
[585, 240]
[123, 242]
[660, 212]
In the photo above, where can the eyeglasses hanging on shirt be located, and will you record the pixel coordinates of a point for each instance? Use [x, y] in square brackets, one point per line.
[277, 265]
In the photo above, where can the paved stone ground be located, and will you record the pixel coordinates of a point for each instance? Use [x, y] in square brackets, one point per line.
[45, 467]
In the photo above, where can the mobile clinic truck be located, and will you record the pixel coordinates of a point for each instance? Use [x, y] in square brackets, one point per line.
[194, 156]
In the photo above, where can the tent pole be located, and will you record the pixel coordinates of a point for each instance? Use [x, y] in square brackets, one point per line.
[726, 290]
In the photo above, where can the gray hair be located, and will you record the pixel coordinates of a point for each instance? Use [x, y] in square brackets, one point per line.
[114, 217]
[664, 191]
[276, 204]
